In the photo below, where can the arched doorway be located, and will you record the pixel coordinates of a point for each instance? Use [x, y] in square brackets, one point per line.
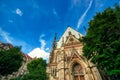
[77, 72]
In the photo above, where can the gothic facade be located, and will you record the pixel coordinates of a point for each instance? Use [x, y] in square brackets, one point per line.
[66, 61]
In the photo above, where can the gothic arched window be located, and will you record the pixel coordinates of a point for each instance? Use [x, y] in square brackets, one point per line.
[77, 72]
[77, 69]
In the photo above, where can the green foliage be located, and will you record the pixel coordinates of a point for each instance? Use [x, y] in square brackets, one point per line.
[114, 72]
[37, 64]
[36, 75]
[18, 78]
[37, 70]
[102, 41]
[10, 60]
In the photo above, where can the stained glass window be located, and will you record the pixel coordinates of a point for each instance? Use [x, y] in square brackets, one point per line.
[77, 69]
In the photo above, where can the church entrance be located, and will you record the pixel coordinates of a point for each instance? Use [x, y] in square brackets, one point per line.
[77, 72]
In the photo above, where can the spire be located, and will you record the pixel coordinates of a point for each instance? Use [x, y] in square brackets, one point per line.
[54, 45]
[54, 42]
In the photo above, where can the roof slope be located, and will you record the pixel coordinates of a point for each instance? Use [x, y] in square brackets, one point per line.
[66, 33]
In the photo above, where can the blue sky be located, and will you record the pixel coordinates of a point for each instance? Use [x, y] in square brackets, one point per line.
[33, 23]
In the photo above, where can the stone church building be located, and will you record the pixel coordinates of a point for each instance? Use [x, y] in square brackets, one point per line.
[66, 61]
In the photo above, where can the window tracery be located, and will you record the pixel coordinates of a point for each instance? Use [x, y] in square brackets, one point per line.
[77, 69]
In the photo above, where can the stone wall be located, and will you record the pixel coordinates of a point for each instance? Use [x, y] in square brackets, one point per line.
[21, 72]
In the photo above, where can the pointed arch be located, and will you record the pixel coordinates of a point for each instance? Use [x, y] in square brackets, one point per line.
[75, 54]
[77, 71]
[81, 64]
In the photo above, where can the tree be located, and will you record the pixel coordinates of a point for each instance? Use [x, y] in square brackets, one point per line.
[10, 60]
[102, 41]
[37, 70]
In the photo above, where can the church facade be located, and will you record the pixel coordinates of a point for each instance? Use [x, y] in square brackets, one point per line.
[66, 61]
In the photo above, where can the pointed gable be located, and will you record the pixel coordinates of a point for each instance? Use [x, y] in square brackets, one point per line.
[71, 39]
[74, 54]
[68, 31]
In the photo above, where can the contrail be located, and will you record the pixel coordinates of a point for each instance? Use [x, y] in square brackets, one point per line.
[84, 14]
[5, 35]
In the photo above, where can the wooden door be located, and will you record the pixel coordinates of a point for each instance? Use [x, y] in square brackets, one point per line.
[76, 78]
[82, 78]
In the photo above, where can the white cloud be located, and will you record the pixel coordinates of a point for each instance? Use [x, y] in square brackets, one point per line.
[84, 14]
[5, 35]
[37, 52]
[9, 39]
[47, 49]
[40, 52]
[42, 41]
[19, 12]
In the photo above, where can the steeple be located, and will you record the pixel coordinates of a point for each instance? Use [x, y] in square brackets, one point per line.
[54, 42]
